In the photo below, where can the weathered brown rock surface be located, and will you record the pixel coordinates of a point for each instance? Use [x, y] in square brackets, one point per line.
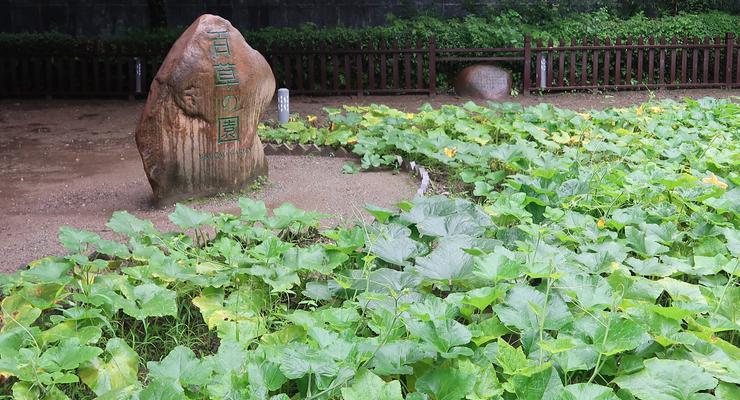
[197, 135]
[484, 81]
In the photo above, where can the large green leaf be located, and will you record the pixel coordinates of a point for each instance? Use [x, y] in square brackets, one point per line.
[396, 357]
[298, 360]
[163, 390]
[717, 357]
[47, 270]
[188, 218]
[76, 240]
[252, 210]
[70, 353]
[127, 224]
[481, 298]
[617, 334]
[512, 360]
[544, 384]
[449, 261]
[368, 386]
[643, 242]
[392, 243]
[150, 300]
[440, 216]
[667, 380]
[119, 372]
[444, 335]
[729, 201]
[525, 308]
[487, 385]
[498, 265]
[446, 383]
[727, 391]
[592, 292]
[583, 391]
[17, 312]
[180, 367]
[288, 215]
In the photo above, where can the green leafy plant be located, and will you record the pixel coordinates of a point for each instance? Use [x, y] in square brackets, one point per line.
[595, 256]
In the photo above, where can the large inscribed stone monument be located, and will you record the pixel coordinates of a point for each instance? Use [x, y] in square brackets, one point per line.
[197, 134]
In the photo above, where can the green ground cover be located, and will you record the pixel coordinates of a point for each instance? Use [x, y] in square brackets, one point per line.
[585, 256]
[499, 29]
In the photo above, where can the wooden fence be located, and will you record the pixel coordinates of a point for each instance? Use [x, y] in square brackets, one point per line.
[632, 64]
[410, 68]
[371, 69]
[80, 75]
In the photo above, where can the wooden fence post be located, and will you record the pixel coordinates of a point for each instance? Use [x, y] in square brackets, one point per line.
[561, 63]
[729, 41]
[526, 73]
[549, 64]
[717, 60]
[432, 66]
[360, 80]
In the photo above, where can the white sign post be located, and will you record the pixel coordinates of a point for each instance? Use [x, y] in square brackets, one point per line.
[283, 103]
[543, 73]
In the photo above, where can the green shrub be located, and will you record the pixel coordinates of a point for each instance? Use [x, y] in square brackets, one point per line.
[491, 30]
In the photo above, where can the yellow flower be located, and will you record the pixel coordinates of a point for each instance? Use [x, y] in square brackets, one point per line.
[352, 140]
[560, 137]
[410, 115]
[655, 110]
[585, 116]
[450, 152]
[639, 110]
[312, 118]
[614, 266]
[713, 180]
[601, 223]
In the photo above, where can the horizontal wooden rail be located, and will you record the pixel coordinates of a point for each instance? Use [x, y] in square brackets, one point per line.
[482, 59]
[347, 51]
[629, 47]
[481, 50]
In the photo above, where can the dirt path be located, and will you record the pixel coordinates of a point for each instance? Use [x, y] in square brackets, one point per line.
[74, 162]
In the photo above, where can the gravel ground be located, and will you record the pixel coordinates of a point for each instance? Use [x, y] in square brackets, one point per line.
[74, 162]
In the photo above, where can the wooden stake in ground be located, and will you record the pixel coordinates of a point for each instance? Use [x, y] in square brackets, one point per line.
[197, 135]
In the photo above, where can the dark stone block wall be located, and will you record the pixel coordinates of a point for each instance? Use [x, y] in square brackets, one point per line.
[110, 17]
[77, 17]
